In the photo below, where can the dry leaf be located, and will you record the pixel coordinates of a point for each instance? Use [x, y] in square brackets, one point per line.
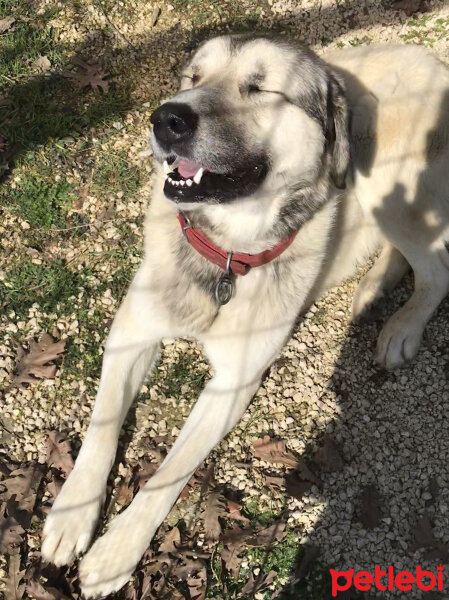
[198, 585]
[296, 487]
[370, 507]
[310, 555]
[125, 490]
[20, 489]
[14, 589]
[267, 535]
[214, 508]
[231, 560]
[10, 532]
[235, 512]
[38, 592]
[328, 456]
[171, 541]
[259, 583]
[89, 75]
[274, 452]
[41, 65]
[59, 453]
[33, 364]
[6, 24]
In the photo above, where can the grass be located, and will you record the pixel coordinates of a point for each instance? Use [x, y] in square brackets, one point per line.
[113, 173]
[185, 372]
[39, 201]
[50, 285]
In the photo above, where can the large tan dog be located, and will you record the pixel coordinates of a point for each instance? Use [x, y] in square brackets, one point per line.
[296, 167]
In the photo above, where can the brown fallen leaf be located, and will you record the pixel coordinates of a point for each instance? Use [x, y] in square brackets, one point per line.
[259, 583]
[273, 451]
[19, 490]
[34, 363]
[38, 592]
[295, 486]
[6, 24]
[309, 556]
[328, 456]
[59, 453]
[171, 540]
[198, 585]
[370, 501]
[125, 490]
[234, 511]
[14, 588]
[41, 65]
[214, 508]
[266, 536]
[89, 75]
[10, 532]
[231, 559]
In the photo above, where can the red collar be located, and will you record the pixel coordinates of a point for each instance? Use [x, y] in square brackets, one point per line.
[240, 263]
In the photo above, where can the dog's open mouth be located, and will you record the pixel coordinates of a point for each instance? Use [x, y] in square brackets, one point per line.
[187, 181]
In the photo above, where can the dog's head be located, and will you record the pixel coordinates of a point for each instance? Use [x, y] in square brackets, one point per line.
[252, 113]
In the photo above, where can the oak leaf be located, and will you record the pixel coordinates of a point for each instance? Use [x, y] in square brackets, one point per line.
[14, 588]
[171, 541]
[259, 583]
[10, 532]
[273, 451]
[59, 453]
[214, 509]
[34, 363]
[90, 75]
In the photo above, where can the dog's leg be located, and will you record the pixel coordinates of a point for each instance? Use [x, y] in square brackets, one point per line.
[386, 273]
[401, 336]
[131, 349]
[239, 363]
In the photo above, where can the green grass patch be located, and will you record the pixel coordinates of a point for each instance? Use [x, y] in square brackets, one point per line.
[40, 202]
[114, 173]
[185, 371]
[49, 285]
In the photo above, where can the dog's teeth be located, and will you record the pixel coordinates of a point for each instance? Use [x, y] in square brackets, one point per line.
[182, 182]
[166, 167]
[170, 179]
[189, 182]
[198, 175]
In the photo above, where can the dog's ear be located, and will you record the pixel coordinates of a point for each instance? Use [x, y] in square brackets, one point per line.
[337, 133]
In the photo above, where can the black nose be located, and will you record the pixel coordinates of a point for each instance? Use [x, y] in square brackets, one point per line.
[173, 122]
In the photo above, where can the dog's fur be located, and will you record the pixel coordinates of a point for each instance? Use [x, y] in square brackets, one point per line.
[356, 153]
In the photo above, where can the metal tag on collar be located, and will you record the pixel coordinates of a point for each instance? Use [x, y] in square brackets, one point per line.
[188, 226]
[225, 285]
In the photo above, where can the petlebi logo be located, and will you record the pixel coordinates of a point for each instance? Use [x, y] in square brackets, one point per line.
[387, 580]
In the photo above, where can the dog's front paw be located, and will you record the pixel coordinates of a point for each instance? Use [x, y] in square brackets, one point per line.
[112, 559]
[71, 523]
[399, 341]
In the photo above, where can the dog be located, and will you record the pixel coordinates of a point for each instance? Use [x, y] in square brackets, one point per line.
[278, 174]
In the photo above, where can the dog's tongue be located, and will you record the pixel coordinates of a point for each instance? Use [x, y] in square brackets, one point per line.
[188, 169]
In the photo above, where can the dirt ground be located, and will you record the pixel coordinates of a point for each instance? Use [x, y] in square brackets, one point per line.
[72, 202]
